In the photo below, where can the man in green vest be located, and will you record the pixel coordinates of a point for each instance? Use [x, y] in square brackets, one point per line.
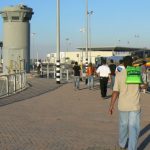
[128, 96]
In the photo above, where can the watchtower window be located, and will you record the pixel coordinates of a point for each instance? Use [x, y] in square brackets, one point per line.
[15, 18]
[25, 19]
[5, 18]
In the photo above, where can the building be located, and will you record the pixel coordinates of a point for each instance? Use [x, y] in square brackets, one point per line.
[97, 52]
[16, 38]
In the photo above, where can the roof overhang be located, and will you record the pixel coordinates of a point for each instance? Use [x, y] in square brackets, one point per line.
[114, 49]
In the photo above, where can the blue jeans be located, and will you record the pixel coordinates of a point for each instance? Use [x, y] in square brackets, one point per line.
[90, 82]
[76, 82]
[129, 128]
[112, 82]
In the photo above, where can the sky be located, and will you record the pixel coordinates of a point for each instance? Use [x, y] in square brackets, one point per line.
[113, 23]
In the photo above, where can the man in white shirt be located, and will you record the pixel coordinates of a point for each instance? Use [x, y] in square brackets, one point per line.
[104, 73]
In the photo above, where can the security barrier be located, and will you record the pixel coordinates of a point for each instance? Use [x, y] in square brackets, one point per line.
[66, 73]
[12, 83]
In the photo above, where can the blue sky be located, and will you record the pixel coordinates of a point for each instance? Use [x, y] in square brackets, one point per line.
[114, 22]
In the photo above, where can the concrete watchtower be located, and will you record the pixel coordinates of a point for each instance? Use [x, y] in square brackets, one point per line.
[16, 38]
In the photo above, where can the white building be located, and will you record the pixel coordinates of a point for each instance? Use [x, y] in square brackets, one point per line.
[93, 53]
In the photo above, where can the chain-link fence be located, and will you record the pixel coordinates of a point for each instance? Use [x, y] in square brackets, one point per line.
[12, 83]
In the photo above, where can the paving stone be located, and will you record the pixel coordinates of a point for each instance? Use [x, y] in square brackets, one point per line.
[63, 119]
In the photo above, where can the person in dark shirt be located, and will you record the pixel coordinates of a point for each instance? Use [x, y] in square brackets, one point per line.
[76, 70]
[112, 67]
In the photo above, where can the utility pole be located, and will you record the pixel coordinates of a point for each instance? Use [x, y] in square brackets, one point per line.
[58, 44]
[86, 53]
[90, 13]
[83, 42]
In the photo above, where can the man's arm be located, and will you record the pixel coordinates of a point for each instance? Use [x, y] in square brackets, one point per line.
[144, 86]
[113, 100]
[109, 77]
[97, 72]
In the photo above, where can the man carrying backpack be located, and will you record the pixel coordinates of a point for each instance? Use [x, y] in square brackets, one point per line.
[128, 96]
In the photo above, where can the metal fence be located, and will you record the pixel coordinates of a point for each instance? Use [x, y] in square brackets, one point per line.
[66, 73]
[12, 83]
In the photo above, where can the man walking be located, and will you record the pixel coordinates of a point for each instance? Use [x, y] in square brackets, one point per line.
[90, 75]
[128, 96]
[112, 67]
[77, 70]
[104, 73]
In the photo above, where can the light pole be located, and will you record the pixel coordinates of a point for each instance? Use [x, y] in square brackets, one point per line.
[67, 39]
[118, 43]
[90, 13]
[82, 30]
[33, 35]
[86, 54]
[137, 37]
[58, 43]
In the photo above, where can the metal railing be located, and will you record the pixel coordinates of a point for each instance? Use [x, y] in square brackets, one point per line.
[50, 72]
[12, 83]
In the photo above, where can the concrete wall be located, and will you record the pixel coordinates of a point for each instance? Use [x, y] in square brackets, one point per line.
[16, 49]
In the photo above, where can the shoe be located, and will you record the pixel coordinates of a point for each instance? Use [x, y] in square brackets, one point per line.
[106, 97]
[103, 97]
[121, 148]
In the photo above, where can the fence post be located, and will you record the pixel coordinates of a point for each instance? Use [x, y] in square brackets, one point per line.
[60, 73]
[14, 83]
[67, 71]
[7, 85]
[41, 71]
[54, 73]
[47, 70]
[21, 80]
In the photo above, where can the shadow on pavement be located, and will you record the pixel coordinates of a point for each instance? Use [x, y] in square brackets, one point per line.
[146, 141]
[36, 87]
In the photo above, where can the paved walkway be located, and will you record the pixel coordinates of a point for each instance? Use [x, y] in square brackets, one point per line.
[64, 119]
[35, 87]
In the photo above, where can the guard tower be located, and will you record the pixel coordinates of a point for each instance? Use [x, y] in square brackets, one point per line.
[16, 38]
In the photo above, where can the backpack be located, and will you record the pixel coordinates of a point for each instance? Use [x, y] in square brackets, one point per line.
[133, 75]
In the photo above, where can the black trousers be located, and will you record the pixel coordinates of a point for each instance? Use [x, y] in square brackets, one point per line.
[103, 86]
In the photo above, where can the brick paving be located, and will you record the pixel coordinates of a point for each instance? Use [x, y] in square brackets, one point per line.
[64, 119]
[35, 87]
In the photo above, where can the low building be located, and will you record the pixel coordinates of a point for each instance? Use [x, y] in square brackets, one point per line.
[80, 54]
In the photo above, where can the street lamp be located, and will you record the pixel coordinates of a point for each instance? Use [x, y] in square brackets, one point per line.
[137, 37]
[86, 14]
[67, 39]
[118, 43]
[82, 30]
[90, 13]
[33, 35]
